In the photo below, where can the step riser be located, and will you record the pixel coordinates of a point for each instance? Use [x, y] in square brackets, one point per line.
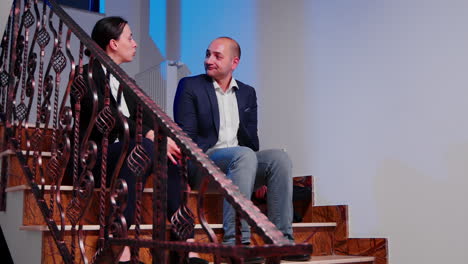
[343, 245]
[51, 253]
[33, 215]
[321, 238]
[376, 247]
[16, 176]
[44, 145]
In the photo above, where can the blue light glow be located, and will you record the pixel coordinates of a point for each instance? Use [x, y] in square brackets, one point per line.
[157, 26]
[203, 21]
[102, 6]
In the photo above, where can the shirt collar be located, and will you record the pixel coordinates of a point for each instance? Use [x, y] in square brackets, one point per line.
[232, 84]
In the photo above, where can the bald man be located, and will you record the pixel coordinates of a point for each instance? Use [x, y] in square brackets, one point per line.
[220, 114]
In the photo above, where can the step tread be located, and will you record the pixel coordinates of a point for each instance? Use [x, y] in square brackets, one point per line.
[24, 187]
[149, 227]
[333, 259]
[8, 152]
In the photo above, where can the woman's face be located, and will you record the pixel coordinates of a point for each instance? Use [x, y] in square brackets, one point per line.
[125, 46]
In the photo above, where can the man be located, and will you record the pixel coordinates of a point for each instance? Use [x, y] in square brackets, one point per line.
[220, 114]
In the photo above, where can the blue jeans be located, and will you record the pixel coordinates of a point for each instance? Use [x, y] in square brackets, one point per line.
[249, 170]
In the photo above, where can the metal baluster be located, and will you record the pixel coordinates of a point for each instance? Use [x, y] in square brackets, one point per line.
[42, 41]
[159, 194]
[138, 162]
[183, 222]
[104, 122]
[21, 110]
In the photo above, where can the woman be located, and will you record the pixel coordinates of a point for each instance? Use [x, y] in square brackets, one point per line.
[114, 36]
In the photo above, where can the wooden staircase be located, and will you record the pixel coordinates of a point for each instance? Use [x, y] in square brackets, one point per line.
[41, 63]
[325, 227]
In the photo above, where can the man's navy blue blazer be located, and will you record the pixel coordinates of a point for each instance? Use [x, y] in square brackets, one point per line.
[197, 113]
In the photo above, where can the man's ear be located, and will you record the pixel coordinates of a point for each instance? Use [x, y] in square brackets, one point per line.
[235, 62]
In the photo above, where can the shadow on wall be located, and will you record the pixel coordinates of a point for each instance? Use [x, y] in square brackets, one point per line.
[414, 205]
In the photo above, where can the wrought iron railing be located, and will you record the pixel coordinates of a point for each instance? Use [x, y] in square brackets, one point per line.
[40, 47]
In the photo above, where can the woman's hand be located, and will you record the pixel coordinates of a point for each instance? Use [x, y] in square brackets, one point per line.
[173, 151]
[150, 135]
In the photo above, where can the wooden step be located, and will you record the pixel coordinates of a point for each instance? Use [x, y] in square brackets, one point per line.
[326, 239]
[30, 133]
[91, 235]
[213, 204]
[343, 245]
[334, 259]
[15, 172]
[33, 215]
[198, 227]
[51, 255]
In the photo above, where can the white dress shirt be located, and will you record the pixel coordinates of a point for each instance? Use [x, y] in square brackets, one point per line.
[228, 115]
[114, 87]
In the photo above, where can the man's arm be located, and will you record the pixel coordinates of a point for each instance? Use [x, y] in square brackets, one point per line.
[185, 109]
[249, 128]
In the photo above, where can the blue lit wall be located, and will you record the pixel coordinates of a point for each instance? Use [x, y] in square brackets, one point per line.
[102, 6]
[157, 25]
[202, 21]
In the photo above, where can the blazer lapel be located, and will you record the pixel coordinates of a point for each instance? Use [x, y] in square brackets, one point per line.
[240, 103]
[209, 88]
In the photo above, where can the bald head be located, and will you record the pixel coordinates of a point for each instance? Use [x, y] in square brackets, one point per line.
[233, 46]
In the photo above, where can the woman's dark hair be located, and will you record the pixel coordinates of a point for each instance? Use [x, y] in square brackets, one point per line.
[106, 29]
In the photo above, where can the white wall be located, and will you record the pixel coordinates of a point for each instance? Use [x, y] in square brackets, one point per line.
[282, 51]
[376, 93]
[5, 7]
[137, 15]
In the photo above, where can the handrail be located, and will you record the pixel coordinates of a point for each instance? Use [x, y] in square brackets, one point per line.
[24, 82]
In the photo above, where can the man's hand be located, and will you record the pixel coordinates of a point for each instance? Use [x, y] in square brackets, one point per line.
[261, 192]
[173, 151]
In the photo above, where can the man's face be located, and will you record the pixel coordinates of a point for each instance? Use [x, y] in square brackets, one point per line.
[219, 59]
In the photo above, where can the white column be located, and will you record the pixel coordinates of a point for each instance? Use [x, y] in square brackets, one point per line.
[171, 86]
[173, 10]
[5, 7]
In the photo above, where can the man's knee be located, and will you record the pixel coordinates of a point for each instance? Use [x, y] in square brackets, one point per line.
[279, 158]
[244, 157]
